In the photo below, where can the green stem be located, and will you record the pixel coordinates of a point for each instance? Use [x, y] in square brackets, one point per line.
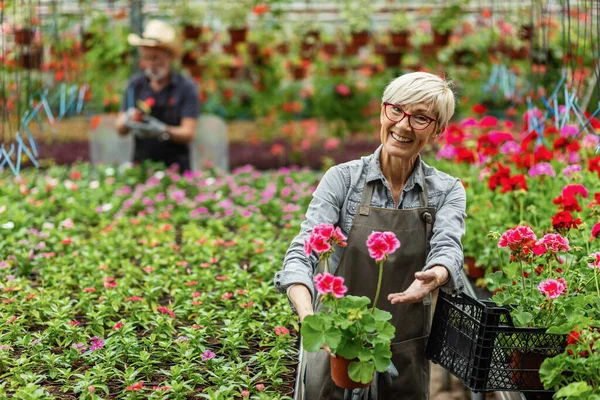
[596, 277]
[327, 264]
[378, 286]
[522, 274]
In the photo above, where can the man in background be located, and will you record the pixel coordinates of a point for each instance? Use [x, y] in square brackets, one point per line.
[160, 106]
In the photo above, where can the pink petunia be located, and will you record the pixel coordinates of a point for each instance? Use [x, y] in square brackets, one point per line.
[281, 330]
[207, 355]
[118, 325]
[552, 288]
[382, 244]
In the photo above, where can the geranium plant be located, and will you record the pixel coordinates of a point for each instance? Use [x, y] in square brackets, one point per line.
[346, 324]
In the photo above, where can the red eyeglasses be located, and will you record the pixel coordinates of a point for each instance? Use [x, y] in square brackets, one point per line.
[395, 113]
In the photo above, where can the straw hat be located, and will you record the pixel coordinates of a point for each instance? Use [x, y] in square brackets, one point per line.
[157, 34]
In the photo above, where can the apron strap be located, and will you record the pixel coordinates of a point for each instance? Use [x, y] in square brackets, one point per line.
[367, 194]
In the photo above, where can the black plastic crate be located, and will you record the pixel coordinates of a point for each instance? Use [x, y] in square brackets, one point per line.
[478, 343]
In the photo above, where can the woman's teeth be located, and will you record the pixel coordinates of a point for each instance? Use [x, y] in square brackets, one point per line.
[401, 139]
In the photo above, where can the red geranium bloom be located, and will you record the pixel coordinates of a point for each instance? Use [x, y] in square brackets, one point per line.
[594, 165]
[567, 203]
[563, 221]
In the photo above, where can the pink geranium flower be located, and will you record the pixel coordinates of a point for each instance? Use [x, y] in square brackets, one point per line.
[382, 244]
[551, 242]
[337, 288]
[595, 257]
[322, 239]
[552, 288]
[595, 231]
[207, 355]
[324, 282]
[281, 330]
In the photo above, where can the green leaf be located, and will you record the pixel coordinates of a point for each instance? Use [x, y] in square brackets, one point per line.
[361, 371]
[574, 389]
[383, 357]
[365, 355]
[381, 315]
[385, 332]
[355, 301]
[316, 331]
[522, 318]
[349, 348]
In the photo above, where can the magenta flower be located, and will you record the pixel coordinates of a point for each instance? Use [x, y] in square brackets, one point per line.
[338, 289]
[551, 242]
[97, 343]
[541, 169]
[574, 189]
[324, 282]
[595, 257]
[322, 239]
[552, 288]
[207, 355]
[514, 237]
[571, 169]
[382, 244]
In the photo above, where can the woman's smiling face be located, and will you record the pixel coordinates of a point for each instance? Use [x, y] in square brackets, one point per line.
[401, 140]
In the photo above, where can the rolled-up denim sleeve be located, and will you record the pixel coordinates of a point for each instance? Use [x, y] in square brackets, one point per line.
[324, 208]
[448, 230]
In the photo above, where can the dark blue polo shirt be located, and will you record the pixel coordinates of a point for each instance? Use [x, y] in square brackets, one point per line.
[177, 100]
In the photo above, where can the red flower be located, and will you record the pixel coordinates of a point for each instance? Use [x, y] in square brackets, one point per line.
[568, 203]
[136, 387]
[563, 221]
[596, 231]
[165, 310]
[66, 241]
[479, 109]
[150, 102]
[343, 90]
[594, 165]
[75, 175]
[260, 9]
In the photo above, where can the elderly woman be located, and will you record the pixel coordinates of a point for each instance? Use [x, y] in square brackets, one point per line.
[391, 190]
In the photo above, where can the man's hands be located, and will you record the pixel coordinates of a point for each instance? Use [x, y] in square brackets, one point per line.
[145, 126]
[425, 282]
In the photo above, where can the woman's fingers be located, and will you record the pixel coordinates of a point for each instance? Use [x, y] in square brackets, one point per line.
[426, 276]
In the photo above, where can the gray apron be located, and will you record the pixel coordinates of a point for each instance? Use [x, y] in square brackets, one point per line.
[412, 320]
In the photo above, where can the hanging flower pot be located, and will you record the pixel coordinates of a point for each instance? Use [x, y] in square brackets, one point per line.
[298, 72]
[400, 39]
[31, 58]
[283, 48]
[392, 57]
[339, 373]
[192, 32]
[338, 71]
[330, 48]
[237, 35]
[441, 39]
[361, 38]
[23, 36]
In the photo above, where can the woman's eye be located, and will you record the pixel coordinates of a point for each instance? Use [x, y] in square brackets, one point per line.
[397, 110]
[421, 118]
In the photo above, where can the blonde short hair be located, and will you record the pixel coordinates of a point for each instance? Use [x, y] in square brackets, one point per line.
[426, 88]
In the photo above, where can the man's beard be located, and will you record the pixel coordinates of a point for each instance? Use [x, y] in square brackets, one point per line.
[156, 74]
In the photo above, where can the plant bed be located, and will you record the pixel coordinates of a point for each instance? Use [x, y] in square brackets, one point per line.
[477, 342]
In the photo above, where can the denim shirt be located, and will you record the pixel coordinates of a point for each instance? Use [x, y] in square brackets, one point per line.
[336, 201]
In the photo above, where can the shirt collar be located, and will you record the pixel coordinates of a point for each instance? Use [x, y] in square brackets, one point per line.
[173, 79]
[374, 171]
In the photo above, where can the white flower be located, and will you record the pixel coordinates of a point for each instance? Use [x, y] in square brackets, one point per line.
[69, 184]
[8, 225]
[48, 225]
[159, 175]
[107, 207]
[109, 171]
[70, 200]
[94, 185]
[210, 181]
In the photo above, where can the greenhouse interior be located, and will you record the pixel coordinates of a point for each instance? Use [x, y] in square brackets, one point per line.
[190, 189]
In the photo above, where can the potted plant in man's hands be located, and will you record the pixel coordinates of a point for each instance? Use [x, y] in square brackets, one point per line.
[358, 336]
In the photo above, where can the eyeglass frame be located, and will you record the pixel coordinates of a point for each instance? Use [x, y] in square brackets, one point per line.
[386, 104]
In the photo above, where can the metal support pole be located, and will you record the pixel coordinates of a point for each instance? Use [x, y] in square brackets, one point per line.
[136, 21]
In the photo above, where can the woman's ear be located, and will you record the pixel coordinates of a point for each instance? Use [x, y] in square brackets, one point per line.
[435, 135]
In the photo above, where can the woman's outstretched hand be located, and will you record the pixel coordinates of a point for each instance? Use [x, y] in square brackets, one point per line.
[425, 282]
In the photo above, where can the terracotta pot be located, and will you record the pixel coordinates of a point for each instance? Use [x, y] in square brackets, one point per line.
[337, 71]
[24, 36]
[351, 50]
[400, 39]
[330, 48]
[339, 373]
[230, 48]
[283, 48]
[314, 35]
[192, 32]
[441, 39]
[188, 59]
[474, 271]
[237, 35]
[429, 51]
[298, 72]
[392, 58]
[360, 39]
[380, 48]
[525, 368]
[526, 32]
[520, 54]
